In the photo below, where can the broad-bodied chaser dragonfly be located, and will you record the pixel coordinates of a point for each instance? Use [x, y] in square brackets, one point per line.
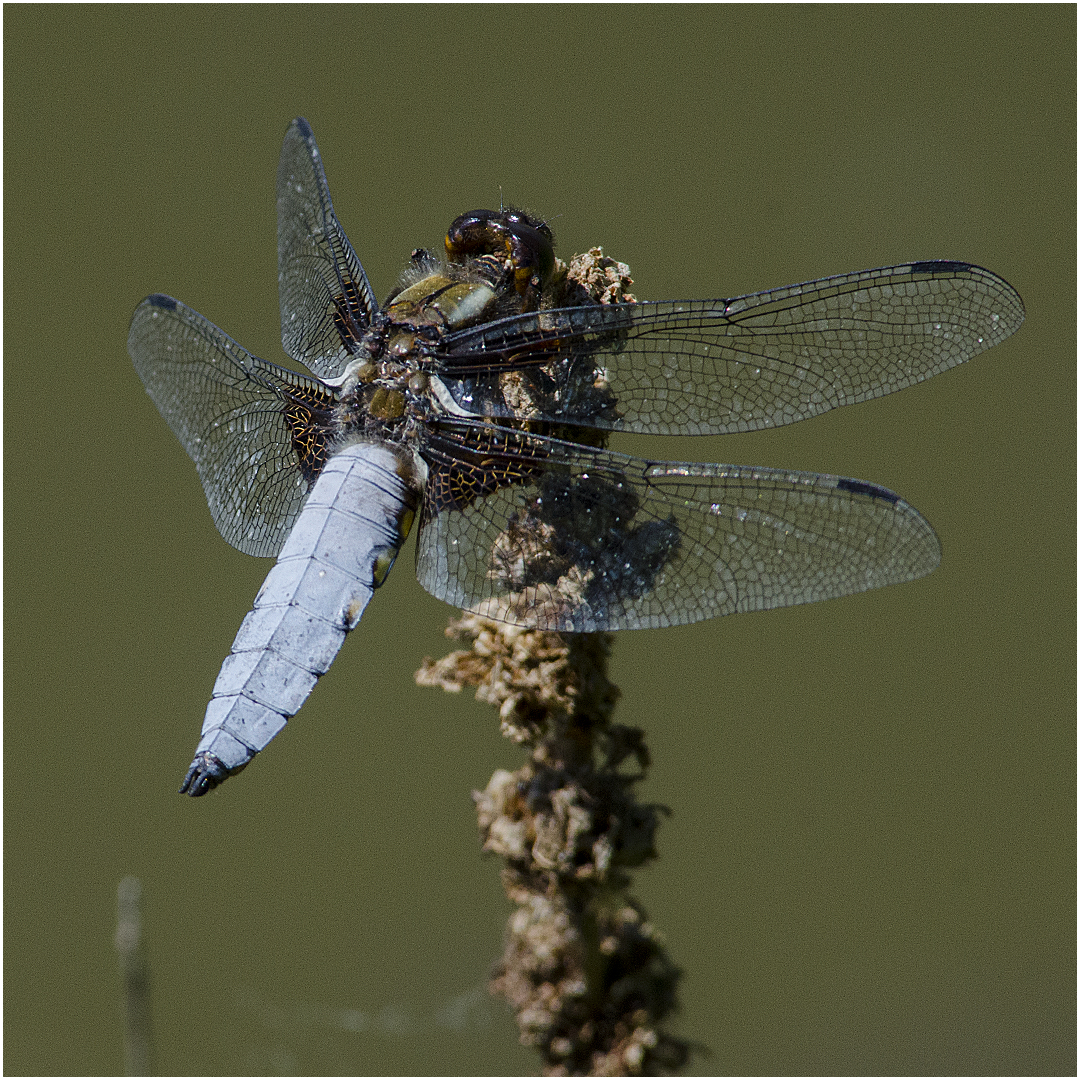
[473, 399]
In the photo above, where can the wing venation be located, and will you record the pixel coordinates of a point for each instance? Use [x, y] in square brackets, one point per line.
[254, 430]
[326, 301]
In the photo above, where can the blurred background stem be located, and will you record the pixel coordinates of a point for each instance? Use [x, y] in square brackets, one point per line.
[134, 979]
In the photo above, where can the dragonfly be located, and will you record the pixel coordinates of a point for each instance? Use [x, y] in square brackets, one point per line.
[478, 400]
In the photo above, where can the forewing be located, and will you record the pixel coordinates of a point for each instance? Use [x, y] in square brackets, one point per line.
[256, 432]
[575, 539]
[326, 301]
[703, 367]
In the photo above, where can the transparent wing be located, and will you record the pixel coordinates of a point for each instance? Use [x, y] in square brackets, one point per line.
[326, 301]
[702, 367]
[256, 432]
[551, 534]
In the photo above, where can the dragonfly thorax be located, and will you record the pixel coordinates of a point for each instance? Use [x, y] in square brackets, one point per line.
[440, 301]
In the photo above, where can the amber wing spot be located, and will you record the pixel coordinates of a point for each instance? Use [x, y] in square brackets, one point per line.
[307, 415]
[465, 466]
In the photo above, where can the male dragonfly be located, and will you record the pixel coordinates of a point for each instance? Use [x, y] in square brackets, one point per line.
[478, 397]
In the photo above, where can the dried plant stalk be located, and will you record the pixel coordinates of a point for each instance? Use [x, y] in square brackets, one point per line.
[583, 968]
[585, 971]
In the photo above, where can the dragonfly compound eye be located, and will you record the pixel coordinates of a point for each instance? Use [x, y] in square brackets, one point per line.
[511, 234]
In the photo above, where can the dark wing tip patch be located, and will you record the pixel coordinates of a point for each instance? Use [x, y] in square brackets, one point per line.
[162, 301]
[941, 266]
[861, 487]
[303, 127]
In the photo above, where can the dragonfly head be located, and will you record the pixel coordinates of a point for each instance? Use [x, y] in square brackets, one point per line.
[523, 244]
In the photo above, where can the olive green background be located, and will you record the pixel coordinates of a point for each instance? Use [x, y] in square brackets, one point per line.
[870, 866]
